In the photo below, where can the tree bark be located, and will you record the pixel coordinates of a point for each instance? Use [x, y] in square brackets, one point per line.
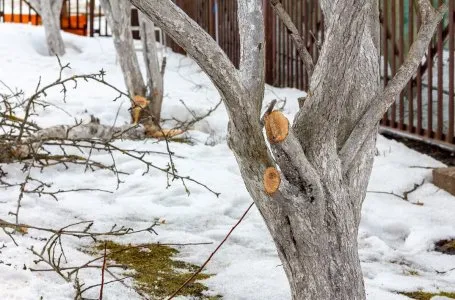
[154, 74]
[11, 151]
[118, 14]
[314, 213]
[49, 10]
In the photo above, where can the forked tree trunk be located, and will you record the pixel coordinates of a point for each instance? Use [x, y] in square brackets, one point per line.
[50, 10]
[118, 14]
[310, 193]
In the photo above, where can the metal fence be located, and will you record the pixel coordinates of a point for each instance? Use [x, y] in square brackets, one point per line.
[425, 108]
[83, 17]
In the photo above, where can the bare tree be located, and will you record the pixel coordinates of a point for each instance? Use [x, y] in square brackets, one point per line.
[310, 184]
[147, 95]
[49, 10]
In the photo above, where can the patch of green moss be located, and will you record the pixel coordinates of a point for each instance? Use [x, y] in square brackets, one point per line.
[421, 295]
[155, 271]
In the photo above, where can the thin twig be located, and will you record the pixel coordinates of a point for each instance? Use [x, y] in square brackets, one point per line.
[102, 272]
[211, 255]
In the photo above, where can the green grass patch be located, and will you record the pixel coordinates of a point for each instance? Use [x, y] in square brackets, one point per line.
[421, 295]
[155, 271]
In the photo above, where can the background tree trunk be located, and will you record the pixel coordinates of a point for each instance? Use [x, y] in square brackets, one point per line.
[118, 14]
[50, 10]
[154, 73]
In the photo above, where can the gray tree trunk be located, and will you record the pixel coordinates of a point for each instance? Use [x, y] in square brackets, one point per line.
[152, 65]
[50, 10]
[312, 208]
[118, 14]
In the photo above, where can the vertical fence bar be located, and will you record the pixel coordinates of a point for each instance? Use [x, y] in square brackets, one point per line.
[77, 15]
[20, 11]
[92, 17]
[298, 22]
[229, 32]
[279, 47]
[105, 24]
[68, 2]
[99, 20]
[385, 51]
[315, 31]
[288, 53]
[291, 48]
[410, 90]
[307, 32]
[419, 129]
[401, 59]
[430, 91]
[269, 29]
[394, 66]
[295, 60]
[211, 19]
[451, 17]
[29, 14]
[440, 81]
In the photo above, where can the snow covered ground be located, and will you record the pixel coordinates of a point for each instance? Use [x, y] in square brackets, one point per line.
[396, 237]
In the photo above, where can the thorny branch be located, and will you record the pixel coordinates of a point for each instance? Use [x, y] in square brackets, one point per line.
[25, 142]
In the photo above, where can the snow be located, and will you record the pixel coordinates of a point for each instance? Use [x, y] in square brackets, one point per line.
[395, 239]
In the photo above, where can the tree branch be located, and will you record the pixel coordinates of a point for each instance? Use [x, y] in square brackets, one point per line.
[252, 48]
[295, 36]
[35, 4]
[290, 156]
[77, 132]
[197, 43]
[381, 103]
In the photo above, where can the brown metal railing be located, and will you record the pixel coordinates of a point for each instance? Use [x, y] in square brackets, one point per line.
[425, 108]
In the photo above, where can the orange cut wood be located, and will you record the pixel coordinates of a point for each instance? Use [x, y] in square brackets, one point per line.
[154, 132]
[140, 101]
[276, 127]
[139, 104]
[272, 180]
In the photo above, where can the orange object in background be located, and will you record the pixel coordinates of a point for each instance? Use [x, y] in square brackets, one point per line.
[73, 25]
[68, 24]
[26, 19]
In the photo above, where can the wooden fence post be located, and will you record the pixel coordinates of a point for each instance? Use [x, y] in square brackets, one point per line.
[92, 17]
[269, 17]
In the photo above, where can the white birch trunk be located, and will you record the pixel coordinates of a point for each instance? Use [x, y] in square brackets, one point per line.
[325, 158]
